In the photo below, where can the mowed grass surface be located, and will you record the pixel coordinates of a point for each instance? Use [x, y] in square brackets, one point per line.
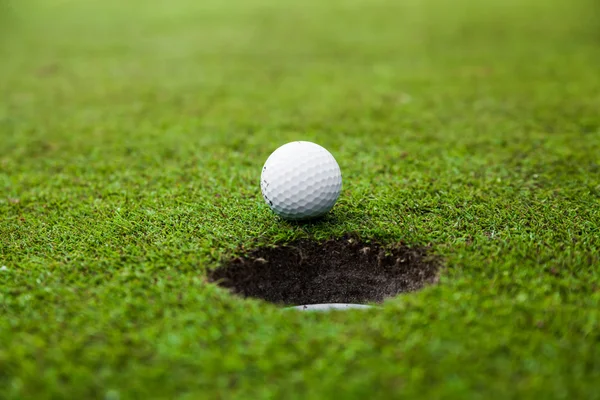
[132, 135]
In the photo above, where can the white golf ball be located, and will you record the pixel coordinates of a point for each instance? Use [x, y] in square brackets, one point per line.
[301, 180]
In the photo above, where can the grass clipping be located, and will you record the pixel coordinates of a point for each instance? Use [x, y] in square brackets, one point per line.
[344, 270]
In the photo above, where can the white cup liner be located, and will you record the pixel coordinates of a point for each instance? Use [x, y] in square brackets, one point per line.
[328, 306]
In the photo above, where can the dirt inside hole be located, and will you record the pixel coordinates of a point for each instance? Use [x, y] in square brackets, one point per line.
[345, 270]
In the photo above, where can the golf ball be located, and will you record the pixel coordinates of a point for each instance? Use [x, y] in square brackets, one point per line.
[301, 180]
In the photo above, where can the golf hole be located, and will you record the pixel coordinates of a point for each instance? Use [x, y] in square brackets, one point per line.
[334, 274]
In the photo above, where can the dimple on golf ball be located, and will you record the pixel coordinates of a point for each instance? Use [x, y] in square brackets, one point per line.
[301, 180]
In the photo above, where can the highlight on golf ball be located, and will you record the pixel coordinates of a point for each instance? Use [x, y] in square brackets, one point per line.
[301, 180]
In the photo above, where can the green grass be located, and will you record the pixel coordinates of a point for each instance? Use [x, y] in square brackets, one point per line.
[132, 135]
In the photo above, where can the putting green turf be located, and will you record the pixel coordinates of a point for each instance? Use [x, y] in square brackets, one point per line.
[132, 135]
